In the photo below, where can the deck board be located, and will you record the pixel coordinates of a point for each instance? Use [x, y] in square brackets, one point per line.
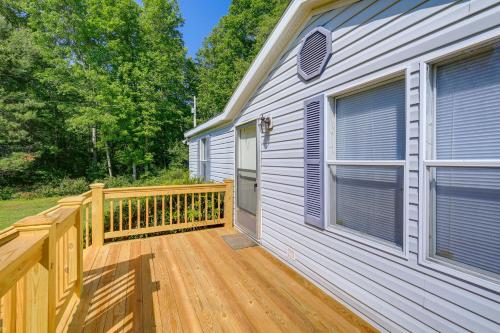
[194, 282]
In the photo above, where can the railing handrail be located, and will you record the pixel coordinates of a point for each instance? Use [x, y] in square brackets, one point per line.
[116, 193]
[49, 210]
[162, 187]
[7, 235]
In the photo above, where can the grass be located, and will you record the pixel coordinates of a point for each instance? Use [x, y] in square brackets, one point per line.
[13, 210]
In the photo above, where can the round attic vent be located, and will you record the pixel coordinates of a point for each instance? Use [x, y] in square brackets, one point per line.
[314, 52]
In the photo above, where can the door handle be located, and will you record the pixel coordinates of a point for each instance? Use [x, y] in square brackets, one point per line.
[255, 187]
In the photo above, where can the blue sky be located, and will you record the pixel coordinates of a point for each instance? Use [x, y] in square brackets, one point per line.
[200, 16]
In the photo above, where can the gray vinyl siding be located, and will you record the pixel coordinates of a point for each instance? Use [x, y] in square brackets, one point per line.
[396, 293]
[221, 157]
[194, 157]
[222, 154]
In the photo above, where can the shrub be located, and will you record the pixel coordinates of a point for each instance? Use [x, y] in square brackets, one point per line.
[6, 193]
[73, 186]
[62, 187]
[119, 181]
[69, 186]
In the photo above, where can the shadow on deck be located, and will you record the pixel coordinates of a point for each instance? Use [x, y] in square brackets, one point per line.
[194, 282]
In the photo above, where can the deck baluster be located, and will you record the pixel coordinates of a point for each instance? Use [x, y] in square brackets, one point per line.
[121, 214]
[129, 214]
[147, 212]
[111, 215]
[138, 226]
[185, 209]
[170, 198]
[178, 209]
[87, 226]
[155, 221]
[162, 210]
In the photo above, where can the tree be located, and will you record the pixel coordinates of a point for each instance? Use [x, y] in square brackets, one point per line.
[229, 50]
[116, 80]
[31, 110]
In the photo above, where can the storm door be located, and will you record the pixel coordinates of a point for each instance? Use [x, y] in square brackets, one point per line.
[246, 178]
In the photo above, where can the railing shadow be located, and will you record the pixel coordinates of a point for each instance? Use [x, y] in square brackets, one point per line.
[114, 297]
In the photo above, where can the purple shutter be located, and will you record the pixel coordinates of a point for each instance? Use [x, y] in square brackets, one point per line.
[313, 162]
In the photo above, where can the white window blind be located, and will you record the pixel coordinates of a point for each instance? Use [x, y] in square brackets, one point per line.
[464, 174]
[368, 169]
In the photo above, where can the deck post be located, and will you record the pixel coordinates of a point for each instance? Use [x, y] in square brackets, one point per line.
[40, 282]
[228, 204]
[76, 241]
[97, 214]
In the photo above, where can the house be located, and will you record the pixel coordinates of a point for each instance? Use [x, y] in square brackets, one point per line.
[364, 142]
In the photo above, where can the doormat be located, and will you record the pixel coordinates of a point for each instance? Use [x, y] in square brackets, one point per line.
[238, 241]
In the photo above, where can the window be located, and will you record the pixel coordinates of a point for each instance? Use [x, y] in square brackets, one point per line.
[367, 158]
[204, 171]
[463, 162]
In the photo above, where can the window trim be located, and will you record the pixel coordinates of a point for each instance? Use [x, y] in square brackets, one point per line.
[427, 160]
[329, 137]
[203, 142]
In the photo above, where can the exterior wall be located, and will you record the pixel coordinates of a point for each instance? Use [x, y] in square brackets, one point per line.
[221, 154]
[371, 39]
[194, 156]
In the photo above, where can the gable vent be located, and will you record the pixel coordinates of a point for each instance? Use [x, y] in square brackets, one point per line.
[314, 53]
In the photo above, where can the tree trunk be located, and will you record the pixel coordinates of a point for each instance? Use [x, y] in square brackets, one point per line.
[108, 158]
[134, 171]
[94, 146]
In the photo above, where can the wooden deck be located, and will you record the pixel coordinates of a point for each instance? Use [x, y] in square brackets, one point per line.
[194, 282]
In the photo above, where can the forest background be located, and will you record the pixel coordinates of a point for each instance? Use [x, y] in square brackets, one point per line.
[102, 89]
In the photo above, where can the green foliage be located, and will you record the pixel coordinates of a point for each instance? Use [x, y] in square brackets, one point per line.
[230, 49]
[63, 187]
[6, 192]
[15, 162]
[71, 67]
[72, 186]
[162, 177]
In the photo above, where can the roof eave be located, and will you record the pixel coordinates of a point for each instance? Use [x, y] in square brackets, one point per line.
[292, 20]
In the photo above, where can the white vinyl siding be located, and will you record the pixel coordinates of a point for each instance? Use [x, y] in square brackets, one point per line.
[465, 201]
[367, 189]
[371, 39]
[193, 158]
[221, 154]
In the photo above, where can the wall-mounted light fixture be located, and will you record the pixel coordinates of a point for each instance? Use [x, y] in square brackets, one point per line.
[265, 124]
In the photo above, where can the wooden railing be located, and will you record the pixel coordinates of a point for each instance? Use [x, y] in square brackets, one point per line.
[147, 210]
[41, 257]
[41, 272]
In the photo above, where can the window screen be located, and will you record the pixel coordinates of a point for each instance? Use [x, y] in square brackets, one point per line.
[370, 126]
[465, 201]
